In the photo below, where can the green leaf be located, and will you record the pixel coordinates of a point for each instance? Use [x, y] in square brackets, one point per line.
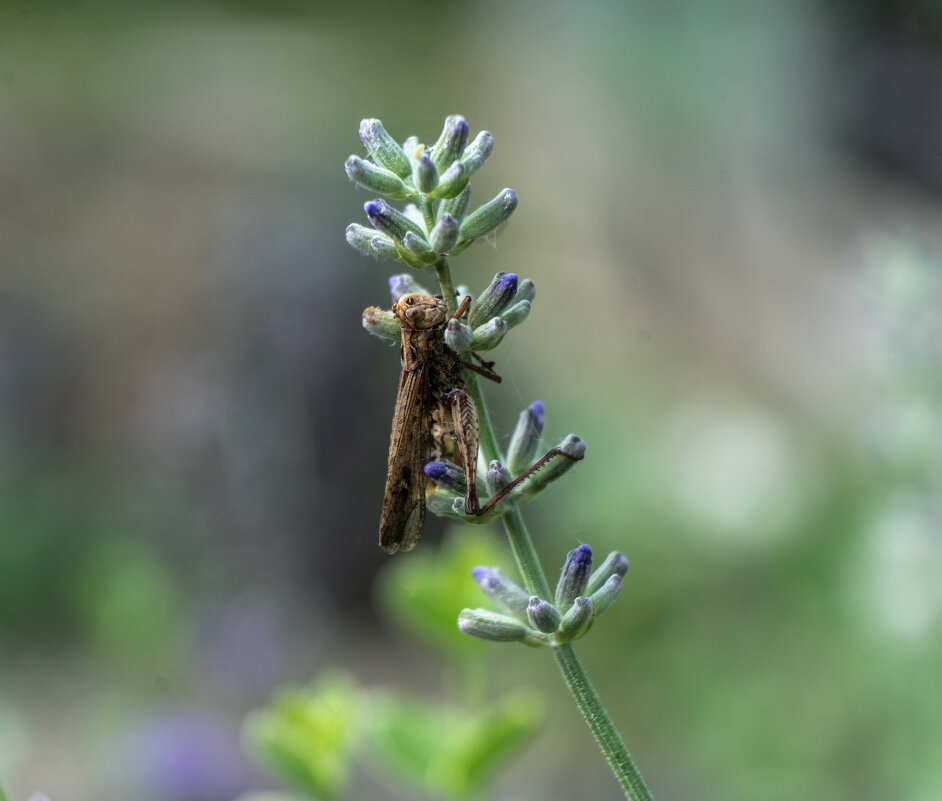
[451, 752]
[304, 736]
[425, 593]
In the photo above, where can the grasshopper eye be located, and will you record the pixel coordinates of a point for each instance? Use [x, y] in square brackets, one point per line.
[410, 301]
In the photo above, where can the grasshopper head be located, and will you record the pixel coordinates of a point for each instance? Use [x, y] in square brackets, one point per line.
[420, 311]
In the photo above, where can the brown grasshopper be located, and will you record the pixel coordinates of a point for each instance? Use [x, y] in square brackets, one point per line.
[434, 418]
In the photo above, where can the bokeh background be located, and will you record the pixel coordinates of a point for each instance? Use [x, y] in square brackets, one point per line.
[731, 212]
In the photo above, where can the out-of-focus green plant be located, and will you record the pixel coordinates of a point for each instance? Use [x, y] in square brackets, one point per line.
[309, 736]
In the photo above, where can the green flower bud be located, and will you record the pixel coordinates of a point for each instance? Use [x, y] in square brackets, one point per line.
[418, 246]
[382, 323]
[375, 178]
[413, 148]
[614, 565]
[477, 152]
[444, 234]
[489, 335]
[383, 246]
[457, 336]
[408, 258]
[451, 143]
[576, 621]
[486, 218]
[360, 238]
[525, 442]
[498, 477]
[384, 149]
[502, 590]
[493, 300]
[516, 314]
[452, 182]
[574, 577]
[526, 290]
[456, 206]
[425, 175]
[574, 450]
[608, 592]
[486, 625]
[543, 615]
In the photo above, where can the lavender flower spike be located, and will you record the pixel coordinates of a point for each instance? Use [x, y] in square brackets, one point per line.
[494, 299]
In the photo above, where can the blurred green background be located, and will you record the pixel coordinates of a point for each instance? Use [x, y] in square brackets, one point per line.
[731, 212]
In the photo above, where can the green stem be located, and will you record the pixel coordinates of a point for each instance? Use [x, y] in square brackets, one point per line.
[581, 689]
[449, 293]
[606, 735]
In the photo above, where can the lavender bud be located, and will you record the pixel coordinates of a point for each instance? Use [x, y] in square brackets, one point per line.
[375, 178]
[383, 246]
[489, 335]
[576, 620]
[494, 299]
[525, 441]
[477, 152]
[486, 218]
[516, 314]
[412, 148]
[383, 148]
[446, 475]
[608, 592]
[360, 238]
[450, 144]
[382, 323]
[457, 336]
[425, 175]
[614, 565]
[573, 450]
[456, 206]
[543, 615]
[526, 290]
[498, 477]
[504, 592]
[452, 182]
[574, 577]
[390, 221]
[404, 284]
[444, 234]
[419, 247]
[486, 625]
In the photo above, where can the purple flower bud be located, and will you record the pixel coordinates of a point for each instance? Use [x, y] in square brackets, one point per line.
[446, 475]
[614, 565]
[494, 299]
[498, 477]
[504, 592]
[543, 615]
[404, 284]
[574, 577]
[525, 442]
[390, 221]
[450, 144]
